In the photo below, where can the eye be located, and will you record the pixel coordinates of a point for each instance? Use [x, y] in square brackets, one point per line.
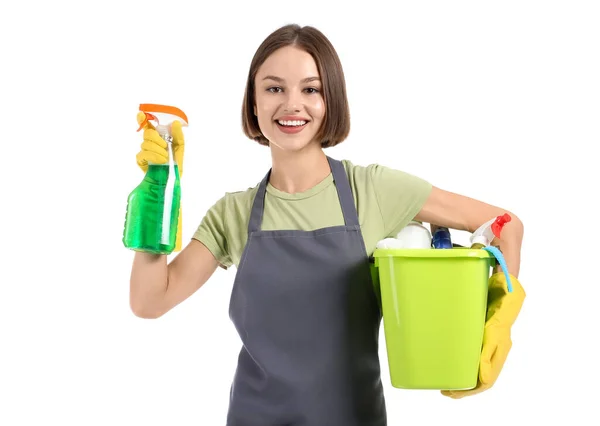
[274, 89]
[312, 90]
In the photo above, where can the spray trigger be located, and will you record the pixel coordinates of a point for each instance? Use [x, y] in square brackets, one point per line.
[499, 224]
[148, 117]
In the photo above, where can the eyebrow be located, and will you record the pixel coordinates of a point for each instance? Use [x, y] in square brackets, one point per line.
[281, 80]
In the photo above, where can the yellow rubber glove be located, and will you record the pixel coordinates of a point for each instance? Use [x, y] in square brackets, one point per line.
[503, 309]
[154, 150]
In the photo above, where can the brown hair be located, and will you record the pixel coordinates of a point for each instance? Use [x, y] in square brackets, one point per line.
[336, 125]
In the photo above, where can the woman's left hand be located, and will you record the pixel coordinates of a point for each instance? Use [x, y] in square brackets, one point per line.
[503, 309]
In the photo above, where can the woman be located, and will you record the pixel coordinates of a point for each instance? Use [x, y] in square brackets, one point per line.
[302, 299]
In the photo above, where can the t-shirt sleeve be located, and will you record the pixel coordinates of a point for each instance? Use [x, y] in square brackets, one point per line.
[212, 232]
[400, 196]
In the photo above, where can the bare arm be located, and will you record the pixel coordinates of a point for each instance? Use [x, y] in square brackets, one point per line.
[156, 287]
[455, 211]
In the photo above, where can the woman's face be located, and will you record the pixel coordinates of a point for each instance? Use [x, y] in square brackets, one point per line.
[288, 100]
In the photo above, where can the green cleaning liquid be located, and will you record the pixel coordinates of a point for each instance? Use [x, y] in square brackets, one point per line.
[153, 211]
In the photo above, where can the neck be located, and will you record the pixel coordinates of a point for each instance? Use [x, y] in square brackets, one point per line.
[294, 172]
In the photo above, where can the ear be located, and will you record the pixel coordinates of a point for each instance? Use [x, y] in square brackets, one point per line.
[255, 110]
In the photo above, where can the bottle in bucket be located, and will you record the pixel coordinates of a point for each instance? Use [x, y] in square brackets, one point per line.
[153, 206]
[442, 238]
[484, 235]
[413, 236]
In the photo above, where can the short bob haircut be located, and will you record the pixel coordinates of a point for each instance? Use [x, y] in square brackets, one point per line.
[336, 124]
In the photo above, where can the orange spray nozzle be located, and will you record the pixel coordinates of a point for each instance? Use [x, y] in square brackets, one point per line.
[162, 114]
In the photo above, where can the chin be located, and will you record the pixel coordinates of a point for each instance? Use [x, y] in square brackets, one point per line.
[291, 145]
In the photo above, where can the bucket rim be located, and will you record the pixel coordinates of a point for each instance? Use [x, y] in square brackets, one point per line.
[456, 252]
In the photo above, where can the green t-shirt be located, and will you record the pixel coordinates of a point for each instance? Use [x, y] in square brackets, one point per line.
[385, 199]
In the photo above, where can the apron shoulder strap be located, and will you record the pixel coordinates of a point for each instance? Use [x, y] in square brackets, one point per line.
[344, 192]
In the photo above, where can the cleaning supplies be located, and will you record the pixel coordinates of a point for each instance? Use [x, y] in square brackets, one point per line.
[389, 243]
[153, 207]
[414, 236]
[484, 235]
[442, 238]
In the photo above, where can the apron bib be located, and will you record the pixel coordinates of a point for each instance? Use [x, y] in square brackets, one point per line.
[304, 307]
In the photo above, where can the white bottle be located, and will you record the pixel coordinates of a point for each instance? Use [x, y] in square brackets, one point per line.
[414, 236]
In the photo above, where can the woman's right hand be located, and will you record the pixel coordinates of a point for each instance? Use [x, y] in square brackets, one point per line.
[154, 147]
[154, 150]
[155, 286]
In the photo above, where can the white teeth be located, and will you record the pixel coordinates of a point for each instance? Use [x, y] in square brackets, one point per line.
[292, 123]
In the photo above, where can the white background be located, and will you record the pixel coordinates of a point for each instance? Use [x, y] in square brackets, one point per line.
[495, 100]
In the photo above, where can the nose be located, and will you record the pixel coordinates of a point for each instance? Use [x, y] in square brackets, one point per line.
[292, 102]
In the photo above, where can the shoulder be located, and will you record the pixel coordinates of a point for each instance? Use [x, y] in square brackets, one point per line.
[365, 171]
[379, 174]
[357, 172]
[351, 166]
[241, 197]
[236, 202]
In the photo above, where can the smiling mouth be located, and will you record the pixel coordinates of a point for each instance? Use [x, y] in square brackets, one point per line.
[291, 126]
[291, 123]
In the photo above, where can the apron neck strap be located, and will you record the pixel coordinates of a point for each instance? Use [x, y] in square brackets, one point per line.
[343, 189]
[344, 192]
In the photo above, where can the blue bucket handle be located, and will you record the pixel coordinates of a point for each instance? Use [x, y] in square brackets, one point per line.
[500, 257]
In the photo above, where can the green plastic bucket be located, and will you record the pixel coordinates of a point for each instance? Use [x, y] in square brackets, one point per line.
[434, 305]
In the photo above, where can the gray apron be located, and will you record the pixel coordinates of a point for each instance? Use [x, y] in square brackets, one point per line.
[304, 307]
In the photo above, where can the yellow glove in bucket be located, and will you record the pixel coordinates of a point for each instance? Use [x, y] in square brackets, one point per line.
[503, 308]
[154, 150]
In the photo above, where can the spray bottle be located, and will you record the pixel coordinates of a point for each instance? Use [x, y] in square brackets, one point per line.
[153, 206]
[484, 235]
